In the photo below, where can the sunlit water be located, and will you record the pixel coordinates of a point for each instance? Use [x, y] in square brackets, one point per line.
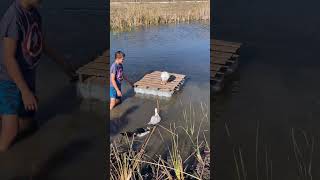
[182, 49]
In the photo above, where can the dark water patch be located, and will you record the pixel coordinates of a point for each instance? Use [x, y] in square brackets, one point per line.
[277, 86]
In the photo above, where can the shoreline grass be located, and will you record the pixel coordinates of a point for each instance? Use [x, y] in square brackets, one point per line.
[128, 16]
[129, 162]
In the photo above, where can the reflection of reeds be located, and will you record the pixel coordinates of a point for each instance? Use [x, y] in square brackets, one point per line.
[304, 161]
[129, 164]
[303, 153]
[127, 16]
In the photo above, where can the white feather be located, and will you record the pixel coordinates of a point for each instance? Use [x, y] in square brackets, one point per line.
[165, 76]
[143, 134]
[155, 119]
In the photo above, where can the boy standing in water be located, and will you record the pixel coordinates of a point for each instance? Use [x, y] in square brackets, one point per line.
[116, 77]
[21, 46]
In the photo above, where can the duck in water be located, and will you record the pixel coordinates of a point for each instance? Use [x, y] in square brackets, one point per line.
[155, 119]
[140, 132]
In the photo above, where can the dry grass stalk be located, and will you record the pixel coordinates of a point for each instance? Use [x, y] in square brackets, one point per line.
[126, 16]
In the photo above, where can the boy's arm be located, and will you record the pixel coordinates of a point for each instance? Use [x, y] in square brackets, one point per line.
[125, 78]
[51, 53]
[13, 69]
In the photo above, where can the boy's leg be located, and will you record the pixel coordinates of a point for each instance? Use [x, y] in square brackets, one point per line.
[113, 98]
[112, 103]
[9, 131]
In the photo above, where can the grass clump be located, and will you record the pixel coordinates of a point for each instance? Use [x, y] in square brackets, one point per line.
[129, 157]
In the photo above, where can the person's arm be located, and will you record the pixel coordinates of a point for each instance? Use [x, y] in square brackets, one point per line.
[114, 83]
[125, 78]
[13, 69]
[67, 68]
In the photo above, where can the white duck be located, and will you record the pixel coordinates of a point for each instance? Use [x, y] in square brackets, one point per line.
[164, 77]
[155, 119]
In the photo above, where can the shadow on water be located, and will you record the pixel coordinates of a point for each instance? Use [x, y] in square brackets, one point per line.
[58, 160]
[129, 93]
[62, 102]
[117, 123]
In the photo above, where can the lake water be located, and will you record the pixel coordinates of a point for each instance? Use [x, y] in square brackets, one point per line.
[182, 49]
[276, 89]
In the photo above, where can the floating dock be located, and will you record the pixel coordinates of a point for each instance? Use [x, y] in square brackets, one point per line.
[93, 78]
[224, 61]
[150, 84]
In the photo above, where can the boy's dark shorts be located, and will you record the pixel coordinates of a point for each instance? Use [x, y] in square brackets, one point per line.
[11, 101]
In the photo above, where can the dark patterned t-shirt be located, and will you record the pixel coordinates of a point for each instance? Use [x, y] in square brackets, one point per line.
[24, 26]
[117, 70]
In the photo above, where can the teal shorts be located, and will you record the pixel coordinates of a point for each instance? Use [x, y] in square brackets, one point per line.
[113, 92]
[11, 100]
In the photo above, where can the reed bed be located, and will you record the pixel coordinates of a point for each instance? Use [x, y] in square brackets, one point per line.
[126, 16]
[130, 160]
[303, 148]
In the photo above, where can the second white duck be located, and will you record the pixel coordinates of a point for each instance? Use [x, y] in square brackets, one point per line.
[155, 119]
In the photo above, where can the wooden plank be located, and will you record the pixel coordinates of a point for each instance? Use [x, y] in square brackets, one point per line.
[224, 49]
[158, 73]
[92, 72]
[106, 53]
[158, 77]
[222, 61]
[157, 83]
[154, 86]
[150, 81]
[216, 67]
[96, 80]
[226, 43]
[94, 65]
[217, 53]
[101, 59]
[223, 55]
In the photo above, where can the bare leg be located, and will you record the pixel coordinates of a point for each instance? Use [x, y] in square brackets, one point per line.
[9, 131]
[113, 103]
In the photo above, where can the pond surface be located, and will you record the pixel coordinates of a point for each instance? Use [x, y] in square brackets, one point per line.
[182, 49]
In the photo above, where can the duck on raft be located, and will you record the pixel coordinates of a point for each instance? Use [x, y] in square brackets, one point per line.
[164, 77]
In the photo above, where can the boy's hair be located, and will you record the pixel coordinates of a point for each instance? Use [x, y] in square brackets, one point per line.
[119, 53]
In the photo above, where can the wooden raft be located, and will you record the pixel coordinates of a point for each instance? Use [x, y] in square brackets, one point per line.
[151, 84]
[224, 60]
[93, 76]
[96, 68]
